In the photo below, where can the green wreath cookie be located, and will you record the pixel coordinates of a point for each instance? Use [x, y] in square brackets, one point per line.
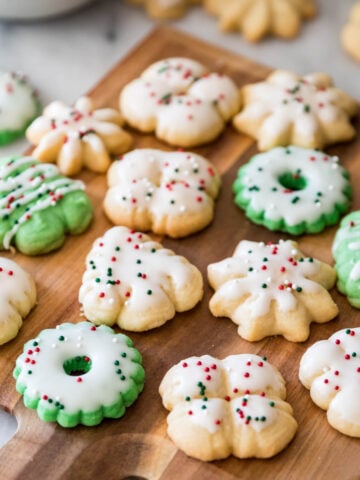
[38, 206]
[293, 189]
[346, 251]
[79, 374]
[19, 106]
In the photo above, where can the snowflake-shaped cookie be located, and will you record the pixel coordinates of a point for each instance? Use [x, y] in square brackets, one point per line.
[351, 33]
[78, 136]
[165, 9]
[17, 298]
[135, 282]
[287, 109]
[330, 369]
[223, 407]
[180, 101]
[257, 18]
[272, 289]
[170, 193]
[19, 105]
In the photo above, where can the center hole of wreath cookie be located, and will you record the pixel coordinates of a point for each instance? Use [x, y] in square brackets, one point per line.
[292, 181]
[77, 366]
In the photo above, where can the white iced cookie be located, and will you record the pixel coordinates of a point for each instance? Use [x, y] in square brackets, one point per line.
[223, 407]
[17, 298]
[350, 35]
[257, 18]
[165, 9]
[180, 101]
[287, 109]
[330, 369]
[135, 282]
[79, 136]
[170, 193]
[272, 289]
[19, 105]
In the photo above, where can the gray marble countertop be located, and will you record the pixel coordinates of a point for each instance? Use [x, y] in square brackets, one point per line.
[64, 57]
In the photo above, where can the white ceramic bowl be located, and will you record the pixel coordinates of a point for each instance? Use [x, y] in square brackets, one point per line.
[32, 9]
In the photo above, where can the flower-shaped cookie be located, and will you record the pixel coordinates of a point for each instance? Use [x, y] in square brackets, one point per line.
[351, 33]
[38, 206]
[346, 251]
[180, 101]
[169, 193]
[258, 18]
[78, 136]
[17, 298]
[330, 369]
[272, 289]
[164, 10]
[135, 282]
[223, 407]
[19, 105]
[287, 109]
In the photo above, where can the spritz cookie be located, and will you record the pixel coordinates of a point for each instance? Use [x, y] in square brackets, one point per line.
[78, 136]
[231, 406]
[350, 35]
[79, 374]
[272, 289]
[346, 251]
[17, 298]
[330, 369]
[293, 189]
[19, 105]
[170, 193]
[165, 9]
[135, 282]
[287, 109]
[38, 206]
[256, 19]
[179, 100]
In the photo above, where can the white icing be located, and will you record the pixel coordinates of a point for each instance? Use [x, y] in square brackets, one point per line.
[213, 391]
[101, 385]
[37, 181]
[18, 104]
[287, 104]
[61, 130]
[280, 278]
[262, 186]
[143, 276]
[178, 100]
[161, 185]
[331, 368]
[17, 296]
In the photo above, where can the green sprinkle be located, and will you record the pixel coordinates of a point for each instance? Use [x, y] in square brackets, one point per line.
[203, 407]
[250, 269]
[61, 338]
[153, 250]
[122, 377]
[35, 344]
[274, 189]
[295, 199]
[117, 249]
[263, 419]
[347, 331]
[298, 289]
[195, 170]
[264, 285]
[172, 202]
[264, 358]
[272, 404]
[97, 280]
[116, 362]
[119, 371]
[29, 372]
[307, 108]
[187, 399]
[353, 354]
[149, 292]
[124, 354]
[138, 261]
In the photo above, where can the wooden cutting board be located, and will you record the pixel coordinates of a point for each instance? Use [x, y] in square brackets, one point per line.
[137, 445]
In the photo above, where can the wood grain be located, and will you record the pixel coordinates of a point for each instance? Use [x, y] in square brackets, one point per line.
[137, 444]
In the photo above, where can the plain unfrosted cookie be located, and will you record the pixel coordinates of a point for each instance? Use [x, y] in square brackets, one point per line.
[231, 406]
[350, 35]
[295, 190]
[17, 298]
[179, 100]
[165, 9]
[170, 193]
[330, 369]
[346, 251]
[287, 109]
[272, 289]
[78, 136]
[135, 282]
[257, 18]
[19, 105]
[38, 206]
[79, 374]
